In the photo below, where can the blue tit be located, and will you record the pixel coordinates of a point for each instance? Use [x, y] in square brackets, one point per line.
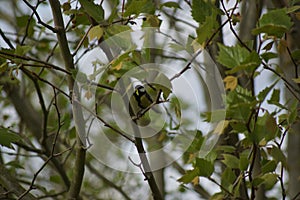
[139, 101]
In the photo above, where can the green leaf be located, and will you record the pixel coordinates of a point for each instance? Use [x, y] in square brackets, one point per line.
[7, 138]
[205, 13]
[269, 46]
[3, 67]
[22, 23]
[196, 144]
[66, 6]
[293, 112]
[189, 176]
[92, 9]
[270, 166]
[251, 62]
[170, 4]
[226, 148]
[206, 168]
[176, 47]
[55, 179]
[116, 29]
[263, 94]
[80, 17]
[296, 54]
[265, 127]
[201, 9]
[214, 116]
[207, 28]
[268, 180]
[227, 179]
[231, 161]
[232, 56]
[274, 23]
[244, 161]
[95, 32]
[292, 9]
[22, 50]
[119, 35]
[275, 96]
[278, 155]
[275, 99]
[218, 196]
[139, 6]
[268, 56]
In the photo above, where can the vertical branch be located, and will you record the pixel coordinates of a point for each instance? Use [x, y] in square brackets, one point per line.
[142, 154]
[77, 111]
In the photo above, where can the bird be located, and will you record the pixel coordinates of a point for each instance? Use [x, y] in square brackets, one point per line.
[139, 102]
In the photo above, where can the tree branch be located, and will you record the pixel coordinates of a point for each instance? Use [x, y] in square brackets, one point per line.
[9, 182]
[77, 111]
[33, 8]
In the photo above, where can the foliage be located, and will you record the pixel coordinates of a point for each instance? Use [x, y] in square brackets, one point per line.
[42, 81]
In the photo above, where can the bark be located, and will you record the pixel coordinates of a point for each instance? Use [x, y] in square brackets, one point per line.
[290, 70]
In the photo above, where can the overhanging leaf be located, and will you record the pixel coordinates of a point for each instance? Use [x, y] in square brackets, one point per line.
[170, 4]
[206, 168]
[232, 56]
[189, 176]
[139, 6]
[95, 32]
[231, 161]
[274, 23]
[7, 138]
[201, 9]
[92, 9]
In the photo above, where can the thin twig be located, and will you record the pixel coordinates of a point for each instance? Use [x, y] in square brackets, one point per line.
[12, 57]
[38, 17]
[6, 39]
[81, 41]
[28, 24]
[45, 81]
[107, 181]
[290, 87]
[223, 188]
[104, 122]
[187, 66]
[31, 187]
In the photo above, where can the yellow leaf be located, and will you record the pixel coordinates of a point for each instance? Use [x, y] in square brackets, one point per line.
[221, 126]
[117, 66]
[296, 80]
[88, 95]
[192, 157]
[195, 181]
[263, 142]
[196, 46]
[230, 82]
[95, 32]
[162, 136]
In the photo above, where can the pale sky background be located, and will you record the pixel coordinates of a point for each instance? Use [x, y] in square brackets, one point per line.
[171, 176]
